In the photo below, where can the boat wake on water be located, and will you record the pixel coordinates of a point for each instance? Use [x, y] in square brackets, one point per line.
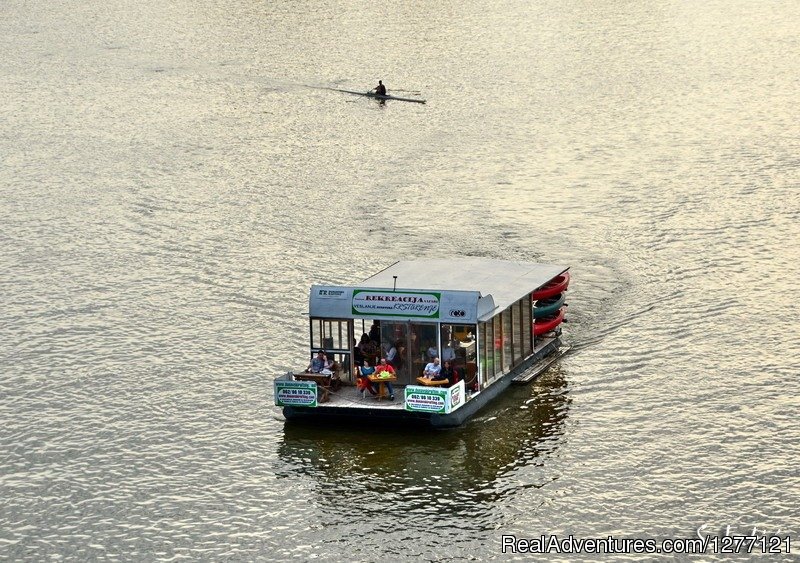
[609, 329]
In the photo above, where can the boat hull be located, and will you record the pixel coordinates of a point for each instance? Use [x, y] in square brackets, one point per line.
[380, 96]
[335, 414]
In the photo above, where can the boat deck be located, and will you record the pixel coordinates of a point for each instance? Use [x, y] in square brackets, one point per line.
[349, 396]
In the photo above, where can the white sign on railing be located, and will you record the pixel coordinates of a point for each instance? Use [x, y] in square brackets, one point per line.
[434, 399]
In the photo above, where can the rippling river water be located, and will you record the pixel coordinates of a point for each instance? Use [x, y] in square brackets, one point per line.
[174, 176]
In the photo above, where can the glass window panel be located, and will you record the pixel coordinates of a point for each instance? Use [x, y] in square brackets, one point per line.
[425, 347]
[459, 344]
[482, 339]
[497, 345]
[316, 334]
[335, 334]
[516, 332]
[527, 327]
[507, 354]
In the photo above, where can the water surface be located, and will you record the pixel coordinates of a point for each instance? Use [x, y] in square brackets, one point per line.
[174, 177]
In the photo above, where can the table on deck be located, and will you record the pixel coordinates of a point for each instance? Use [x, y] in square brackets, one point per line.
[381, 381]
[323, 384]
[433, 382]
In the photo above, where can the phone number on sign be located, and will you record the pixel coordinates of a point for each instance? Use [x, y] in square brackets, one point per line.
[610, 544]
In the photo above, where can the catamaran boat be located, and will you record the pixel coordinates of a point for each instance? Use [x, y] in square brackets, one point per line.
[496, 322]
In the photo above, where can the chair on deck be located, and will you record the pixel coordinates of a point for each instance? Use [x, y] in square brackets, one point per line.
[363, 385]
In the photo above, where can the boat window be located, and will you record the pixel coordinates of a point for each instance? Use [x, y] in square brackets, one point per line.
[516, 331]
[335, 337]
[459, 344]
[487, 357]
[497, 345]
[508, 358]
[364, 326]
[411, 342]
[330, 334]
[428, 345]
[527, 327]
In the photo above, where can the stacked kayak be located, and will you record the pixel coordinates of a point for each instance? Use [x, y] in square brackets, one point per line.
[555, 286]
[540, 326]
[549, 304]
[548, 307]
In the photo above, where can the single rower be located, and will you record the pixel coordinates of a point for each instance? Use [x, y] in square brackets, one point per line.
[380, 89]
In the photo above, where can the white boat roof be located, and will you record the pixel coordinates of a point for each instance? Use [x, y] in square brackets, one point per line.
[504, 280]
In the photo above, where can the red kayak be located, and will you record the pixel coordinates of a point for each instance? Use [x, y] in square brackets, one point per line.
[540, 326]
[555, 286]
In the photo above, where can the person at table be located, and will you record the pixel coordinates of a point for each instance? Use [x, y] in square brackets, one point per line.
[385, 367]
[318, 363]
[450, 372]
[363, 383]
[433, 370]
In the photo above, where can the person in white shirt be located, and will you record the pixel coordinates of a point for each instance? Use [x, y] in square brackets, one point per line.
[433, 369]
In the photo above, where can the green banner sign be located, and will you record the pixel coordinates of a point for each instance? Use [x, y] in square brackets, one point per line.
[373, 303]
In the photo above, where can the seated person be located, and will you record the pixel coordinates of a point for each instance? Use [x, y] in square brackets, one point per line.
[433, 370]
[363, 383]
[449, 372]
[384, 367]
[319, 363]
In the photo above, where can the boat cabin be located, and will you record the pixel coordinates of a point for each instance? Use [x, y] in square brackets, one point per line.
[476, 313]
[495, 321]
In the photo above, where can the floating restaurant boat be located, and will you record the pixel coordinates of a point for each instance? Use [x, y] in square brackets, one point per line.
[476, 313]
